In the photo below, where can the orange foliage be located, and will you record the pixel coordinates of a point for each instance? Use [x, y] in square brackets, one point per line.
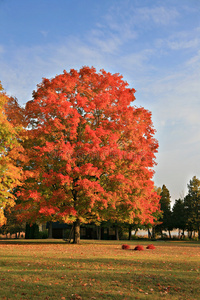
[151, 246]
[91, 151]
[11, 153]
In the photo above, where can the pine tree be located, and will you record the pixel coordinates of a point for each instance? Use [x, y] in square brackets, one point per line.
[166, 219]
[178, 215]
[192, 206]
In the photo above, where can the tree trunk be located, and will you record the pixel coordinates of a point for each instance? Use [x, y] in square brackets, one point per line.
[76, 232]
[153, 233]
[149, 234]
[50, 236]
[116, 233]
[129, 233]
[108, 235]
[98, 232]
[169, 234]
[190, 234]
[102, 233]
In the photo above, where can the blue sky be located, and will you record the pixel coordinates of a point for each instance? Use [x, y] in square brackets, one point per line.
[154, 44]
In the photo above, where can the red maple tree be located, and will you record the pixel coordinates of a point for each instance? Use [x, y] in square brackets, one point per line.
[91, 152]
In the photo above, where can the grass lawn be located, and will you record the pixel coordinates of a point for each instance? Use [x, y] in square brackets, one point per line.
[53, 269]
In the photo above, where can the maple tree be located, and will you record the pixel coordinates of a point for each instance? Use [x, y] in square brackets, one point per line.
[10, 151]
[91, 152]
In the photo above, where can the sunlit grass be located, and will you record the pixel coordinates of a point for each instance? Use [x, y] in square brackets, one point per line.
[99, 270]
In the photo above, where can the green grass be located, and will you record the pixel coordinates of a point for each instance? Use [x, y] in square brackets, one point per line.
[53, 269]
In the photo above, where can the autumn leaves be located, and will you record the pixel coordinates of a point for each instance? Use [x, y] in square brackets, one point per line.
[138, 247]
[90, 151]
[11, 151]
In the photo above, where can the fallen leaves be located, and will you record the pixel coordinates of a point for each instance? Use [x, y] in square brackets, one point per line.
[139, 248]
[61, 270]
[125, 246]
[151, 246]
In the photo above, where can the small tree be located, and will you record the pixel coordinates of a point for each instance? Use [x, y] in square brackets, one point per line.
[166, 219]
[192, 206]
[179, 216]
[12, 226]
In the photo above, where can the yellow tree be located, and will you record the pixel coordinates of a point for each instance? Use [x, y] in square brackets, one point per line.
[10, 154]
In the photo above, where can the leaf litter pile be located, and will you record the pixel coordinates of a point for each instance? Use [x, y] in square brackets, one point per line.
[98, 271]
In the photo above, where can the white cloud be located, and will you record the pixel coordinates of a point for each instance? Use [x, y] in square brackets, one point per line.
[194, 60]
[159, 15]
[106, 44]
[180, 40]
[30, 64]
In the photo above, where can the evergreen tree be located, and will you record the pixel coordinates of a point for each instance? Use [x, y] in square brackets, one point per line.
[178, 215]
[166, 219]
[192, 206]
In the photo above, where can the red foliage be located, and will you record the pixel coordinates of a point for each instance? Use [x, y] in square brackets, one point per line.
[151, 247]
[139, 248]
[125, 247]
[91, 151]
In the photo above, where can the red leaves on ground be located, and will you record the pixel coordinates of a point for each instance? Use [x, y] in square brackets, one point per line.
[125, 247]
[151, 246]
[139, 248]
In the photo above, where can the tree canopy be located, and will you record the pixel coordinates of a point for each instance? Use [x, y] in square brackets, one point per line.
[192, 205]
[166, 218]
[91, 151]
[10, 152]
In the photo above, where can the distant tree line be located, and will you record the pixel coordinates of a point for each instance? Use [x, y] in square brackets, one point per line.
[184, 215]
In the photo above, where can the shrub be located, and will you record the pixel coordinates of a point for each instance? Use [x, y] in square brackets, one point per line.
[44, 234]
[32, 231]
[125, 247]
[151, 247]
[134, 237]
[139, 248]
[186, 238]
